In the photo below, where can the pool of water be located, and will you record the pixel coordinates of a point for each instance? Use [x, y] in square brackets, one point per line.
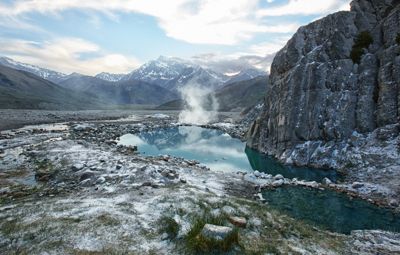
[331, 210]
[217, 150]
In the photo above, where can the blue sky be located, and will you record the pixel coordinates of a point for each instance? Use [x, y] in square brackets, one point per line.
[91, 36]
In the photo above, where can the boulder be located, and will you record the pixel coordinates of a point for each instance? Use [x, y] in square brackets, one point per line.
[214, 232]
[238, 221]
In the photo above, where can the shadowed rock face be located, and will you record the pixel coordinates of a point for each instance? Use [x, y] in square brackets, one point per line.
[317, 92]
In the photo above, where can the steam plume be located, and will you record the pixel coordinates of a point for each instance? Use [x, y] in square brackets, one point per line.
[201, 105]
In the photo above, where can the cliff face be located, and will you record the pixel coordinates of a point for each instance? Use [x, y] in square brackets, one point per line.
[320, 98]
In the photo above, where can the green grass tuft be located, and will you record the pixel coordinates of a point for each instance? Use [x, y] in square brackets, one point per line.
[198, 244]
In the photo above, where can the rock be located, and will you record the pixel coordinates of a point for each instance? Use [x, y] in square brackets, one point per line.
[326, 181]
[101, 180]
[278, 177]
[357, 185]
[214, 232]
[394, 202]
[238, 221]
[77, 167]
[86, 183]
[278, 183]
[257, 173]
[228, 209]
[118, 167]
[320, 96]
[183, 180]
[260, 197]
[86, 175]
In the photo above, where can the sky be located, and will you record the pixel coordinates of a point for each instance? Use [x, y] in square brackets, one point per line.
[117, 36]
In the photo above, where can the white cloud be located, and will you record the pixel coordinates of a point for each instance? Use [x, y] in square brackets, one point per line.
[67, 55]
[267, 48]
[306, 7]
[206, 22]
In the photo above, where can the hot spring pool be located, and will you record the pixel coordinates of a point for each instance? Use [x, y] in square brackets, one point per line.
[217, 150]
[221, 152]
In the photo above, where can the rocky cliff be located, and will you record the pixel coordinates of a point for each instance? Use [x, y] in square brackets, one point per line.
[323, 105]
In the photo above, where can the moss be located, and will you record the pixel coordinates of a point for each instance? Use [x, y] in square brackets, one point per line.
[363, 41]
[169, 226]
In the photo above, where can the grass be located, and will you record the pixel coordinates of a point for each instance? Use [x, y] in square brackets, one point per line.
[107, 220]
[197, 244]
[44, 170]
[10, 227]
[169, 226]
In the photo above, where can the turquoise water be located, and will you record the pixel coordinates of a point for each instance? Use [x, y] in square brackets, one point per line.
[217, 150]
[221, 152]
[331, 210]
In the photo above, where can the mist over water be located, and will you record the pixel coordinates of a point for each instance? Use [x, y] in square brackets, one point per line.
[201, 106]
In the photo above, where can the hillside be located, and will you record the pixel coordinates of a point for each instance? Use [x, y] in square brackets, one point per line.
[24, 90]
[232, 97]
[121, 92]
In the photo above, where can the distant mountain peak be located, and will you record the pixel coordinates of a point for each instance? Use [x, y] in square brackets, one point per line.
[44, 73]
[110, 76]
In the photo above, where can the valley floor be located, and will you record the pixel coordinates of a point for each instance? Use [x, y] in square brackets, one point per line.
[69, 189]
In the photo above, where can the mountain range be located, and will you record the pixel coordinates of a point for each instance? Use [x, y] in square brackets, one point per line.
[154, 83]
[24, 90]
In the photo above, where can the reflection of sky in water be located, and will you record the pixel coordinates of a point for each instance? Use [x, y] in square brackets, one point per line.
[217, 150]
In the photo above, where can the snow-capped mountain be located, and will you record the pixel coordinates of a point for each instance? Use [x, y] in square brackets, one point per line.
[41, 72]
[246, 74]
[110, 76]
[167, 72]
[174, 73]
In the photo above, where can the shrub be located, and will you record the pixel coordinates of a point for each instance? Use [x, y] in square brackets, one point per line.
[363, 41]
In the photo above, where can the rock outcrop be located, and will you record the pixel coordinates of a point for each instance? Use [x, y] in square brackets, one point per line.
[320, 97]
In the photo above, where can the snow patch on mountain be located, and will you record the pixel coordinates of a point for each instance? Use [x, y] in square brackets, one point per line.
[41, 72]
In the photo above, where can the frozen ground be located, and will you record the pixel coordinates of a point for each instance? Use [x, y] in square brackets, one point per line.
[68, 189]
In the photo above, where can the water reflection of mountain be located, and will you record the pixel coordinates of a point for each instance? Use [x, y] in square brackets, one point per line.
[175, 137]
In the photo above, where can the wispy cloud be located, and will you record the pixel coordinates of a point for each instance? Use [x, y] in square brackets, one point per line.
[67, 55]
[206, 22]
[305, 7]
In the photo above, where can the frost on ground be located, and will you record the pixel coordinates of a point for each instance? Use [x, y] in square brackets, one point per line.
[89, 196]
